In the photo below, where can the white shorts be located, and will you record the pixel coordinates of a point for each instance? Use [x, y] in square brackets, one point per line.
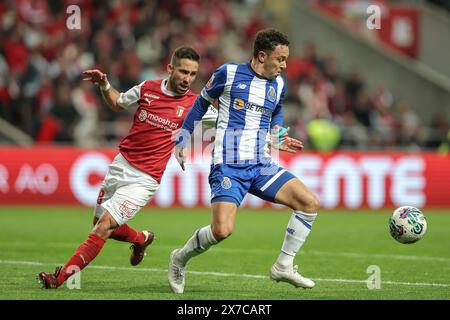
[124, 191]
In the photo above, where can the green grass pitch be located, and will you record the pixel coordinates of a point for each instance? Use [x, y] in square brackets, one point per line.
[337, 254]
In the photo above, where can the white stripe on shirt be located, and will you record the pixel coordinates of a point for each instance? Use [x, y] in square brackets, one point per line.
[249, 136]
[224, 114]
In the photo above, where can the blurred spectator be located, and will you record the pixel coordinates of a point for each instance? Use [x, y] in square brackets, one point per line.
[363, 109]
[438, 130]
[353, 134]
[85, 131]
[354, 85]
[313, 94]
[407, 124]
[445, 4]
[330, 68]
[338, 100]
[5, 94]
[41, 62]
[14, 50]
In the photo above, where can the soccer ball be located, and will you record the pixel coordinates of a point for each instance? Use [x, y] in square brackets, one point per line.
[407, 224]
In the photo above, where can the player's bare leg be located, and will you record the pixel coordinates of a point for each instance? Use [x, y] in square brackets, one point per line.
[223, 221]
[105, 226]
[84, 254]
[139, 240]
[305, 204]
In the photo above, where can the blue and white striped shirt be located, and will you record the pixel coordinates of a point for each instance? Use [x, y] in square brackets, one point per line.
[249, 106]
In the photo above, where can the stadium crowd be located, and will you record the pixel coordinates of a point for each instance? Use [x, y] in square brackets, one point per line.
[41, 60]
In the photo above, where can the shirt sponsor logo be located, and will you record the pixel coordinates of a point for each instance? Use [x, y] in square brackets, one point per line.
[158, 121]
[239, 104]
[142, 115]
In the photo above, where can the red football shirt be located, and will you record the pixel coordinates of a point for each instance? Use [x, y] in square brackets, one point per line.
[149, 144]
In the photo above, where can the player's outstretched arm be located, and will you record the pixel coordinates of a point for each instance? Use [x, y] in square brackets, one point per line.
[291, 145]
[183, 136]
[110, 95]
[281, 141]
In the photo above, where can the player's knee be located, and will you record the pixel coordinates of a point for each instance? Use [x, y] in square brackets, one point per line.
[100, 232]
[103, 229]
[221, 233]
[313, 204]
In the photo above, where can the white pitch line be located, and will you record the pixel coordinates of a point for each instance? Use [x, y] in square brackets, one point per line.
[305, 252]
[377, 255]
[388, 282]
[223, 274]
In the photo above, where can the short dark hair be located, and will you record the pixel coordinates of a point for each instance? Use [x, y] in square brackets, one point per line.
[184, 53]
[267, 39]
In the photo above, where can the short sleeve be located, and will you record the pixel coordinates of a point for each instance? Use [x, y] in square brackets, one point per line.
[214, 88]
[130, 98]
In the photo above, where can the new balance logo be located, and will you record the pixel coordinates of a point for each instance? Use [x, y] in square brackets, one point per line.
[241, 86]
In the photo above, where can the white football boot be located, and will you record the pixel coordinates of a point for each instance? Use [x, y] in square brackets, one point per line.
[290, 275]
[176, 274]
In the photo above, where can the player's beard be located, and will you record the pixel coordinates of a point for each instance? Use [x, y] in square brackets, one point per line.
[176, 86]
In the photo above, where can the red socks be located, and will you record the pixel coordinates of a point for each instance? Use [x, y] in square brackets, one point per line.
[89, 249]
[127, 234]
[85, 253]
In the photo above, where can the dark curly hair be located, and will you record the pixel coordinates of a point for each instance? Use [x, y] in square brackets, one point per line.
[267, 39]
